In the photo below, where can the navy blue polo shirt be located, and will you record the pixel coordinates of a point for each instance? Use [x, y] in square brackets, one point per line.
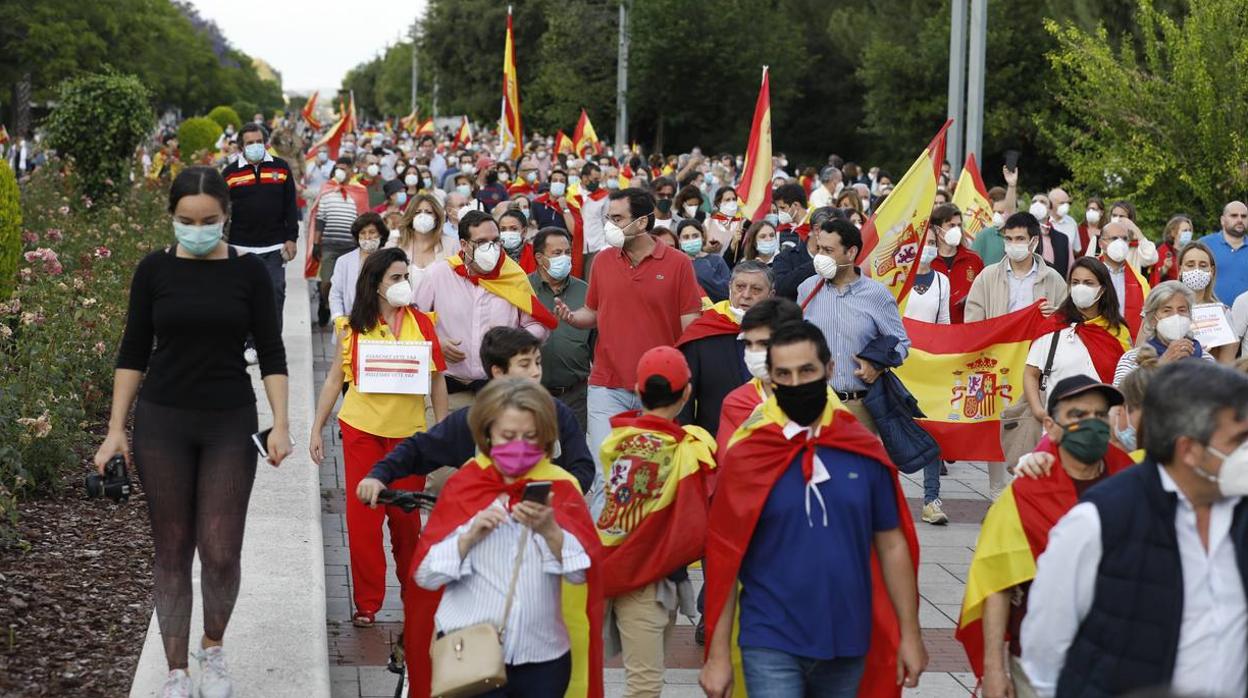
[806, 589]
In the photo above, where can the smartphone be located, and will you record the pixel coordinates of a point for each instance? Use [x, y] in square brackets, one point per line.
[1011, 160]
[260, 440]
[537, 492]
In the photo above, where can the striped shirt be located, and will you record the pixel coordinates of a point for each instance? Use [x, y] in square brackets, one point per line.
[1131, 361]
[338, 214]
[850, 318]
[476, 588]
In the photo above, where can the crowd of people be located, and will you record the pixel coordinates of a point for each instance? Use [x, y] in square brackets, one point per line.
[627, 377]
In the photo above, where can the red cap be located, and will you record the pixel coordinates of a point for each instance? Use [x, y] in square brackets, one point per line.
[663, 361]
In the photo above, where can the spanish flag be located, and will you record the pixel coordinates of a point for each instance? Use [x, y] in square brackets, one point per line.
[757, 455]
[426, 126]
[509, 282]
[563, 144]
[654, 521]
[894, 235]
[309, 111]
[714, 321]
[1014, 534]
[468, 491]
[509, 128]
[584, 138]
[332, 140]
[353, 123]
[1137, 289]
[409, 122]
[463, 137]
[971, 198]
[754, 190]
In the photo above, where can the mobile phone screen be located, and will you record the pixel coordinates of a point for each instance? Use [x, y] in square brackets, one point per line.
[537, 492]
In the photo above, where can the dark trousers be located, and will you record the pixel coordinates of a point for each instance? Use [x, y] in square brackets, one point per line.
[575, 398]
[276, 267]
[536, 680]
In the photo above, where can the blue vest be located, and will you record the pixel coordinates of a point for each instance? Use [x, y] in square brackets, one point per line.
[1130, 637]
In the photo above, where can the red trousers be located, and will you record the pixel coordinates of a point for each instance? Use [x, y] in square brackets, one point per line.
[361, 451]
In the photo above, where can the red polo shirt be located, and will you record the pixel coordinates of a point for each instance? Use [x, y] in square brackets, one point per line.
[639, 308]
[966, 266]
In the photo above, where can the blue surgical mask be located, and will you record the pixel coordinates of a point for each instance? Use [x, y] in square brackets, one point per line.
[1127, 437]
[691, 247]
[199, 240]
[772, 219]
[558, 188]
[254, 152]
[464, 189]
[1185, 236]
[560, 267]
[768, 247]
[400, 198]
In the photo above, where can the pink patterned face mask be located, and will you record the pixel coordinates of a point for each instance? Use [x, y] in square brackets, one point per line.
[515, 458]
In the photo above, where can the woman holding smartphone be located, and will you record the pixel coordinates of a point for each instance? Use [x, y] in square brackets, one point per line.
[198, 300]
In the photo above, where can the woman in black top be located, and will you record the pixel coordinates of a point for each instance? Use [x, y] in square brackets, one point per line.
[197, 300]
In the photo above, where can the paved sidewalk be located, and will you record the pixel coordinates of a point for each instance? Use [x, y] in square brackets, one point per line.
[357, 657]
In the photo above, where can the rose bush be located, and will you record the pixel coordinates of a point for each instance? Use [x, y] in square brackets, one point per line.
[60, 328]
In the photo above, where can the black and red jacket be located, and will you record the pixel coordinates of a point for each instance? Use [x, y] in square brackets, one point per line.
[262, 202]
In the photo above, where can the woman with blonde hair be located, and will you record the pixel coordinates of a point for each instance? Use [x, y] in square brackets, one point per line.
[421, 236]
[511, 519]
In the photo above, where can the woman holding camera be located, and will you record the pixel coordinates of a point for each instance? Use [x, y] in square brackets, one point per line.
[372, 423]
[511, 519]
[199, 300]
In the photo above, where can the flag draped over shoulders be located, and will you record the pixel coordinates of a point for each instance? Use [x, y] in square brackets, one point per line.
[472, 488]
[758, 454]
[509, 282]
[714, 321]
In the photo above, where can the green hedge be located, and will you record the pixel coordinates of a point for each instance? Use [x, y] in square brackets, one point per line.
[224, 116]
[196, 135]
[10, 230]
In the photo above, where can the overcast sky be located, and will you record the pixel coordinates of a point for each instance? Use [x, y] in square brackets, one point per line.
[312, 43]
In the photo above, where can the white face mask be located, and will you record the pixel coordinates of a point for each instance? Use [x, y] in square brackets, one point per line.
[1117, 250]
[511, 239]
[1196, 279]
[372, 170]
[756, 363]
[1173, 327]
[486, 256]
[1092, 216]
[411, 180]
[340, 175]
[369, 244]
[1084, 296]
[463, 211]
[400, 294]
[998, 219]
[690, 211]
[953, 236]
[825, 266]
[1063, 209]
[614, 234]
[1232, 479]
[1039, 210]
[786, 218]
[423, 223]
[1018, 251]
[728, 208]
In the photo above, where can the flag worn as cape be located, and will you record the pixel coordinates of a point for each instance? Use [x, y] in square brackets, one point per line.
[1014, 533]
[964, 376]
[654, 519]
[971, 198]
[509, 282]
[472, 488]
[1136, 289]
[1104, 346]
[356, 192]
[754, 189]
[714, 321]
[758, 454]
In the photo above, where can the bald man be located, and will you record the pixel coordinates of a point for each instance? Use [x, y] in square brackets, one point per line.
[1060, 219]
[1229, 252]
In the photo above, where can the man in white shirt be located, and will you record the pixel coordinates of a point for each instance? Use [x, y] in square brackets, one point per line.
[1061, 220]
[830, 184]
[1142, 583]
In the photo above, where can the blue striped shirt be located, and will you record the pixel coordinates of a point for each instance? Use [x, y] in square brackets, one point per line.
[851, 317]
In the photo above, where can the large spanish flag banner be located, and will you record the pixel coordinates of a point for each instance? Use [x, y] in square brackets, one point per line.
[893, 237]
[964, 375]
[584, 138]
[971, 198]
[754, 190]
[657, 522]
[509, 128]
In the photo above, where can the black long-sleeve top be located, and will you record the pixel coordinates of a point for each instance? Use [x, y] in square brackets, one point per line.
[262, 202]
[449, 443]
[199, 313]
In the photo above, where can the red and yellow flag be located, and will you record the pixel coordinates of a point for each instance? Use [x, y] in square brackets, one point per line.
[426, 126]
[332, 139]
[463, 137]
[971, 198]
[963, 376]
[353, 123]
[309, 111]
[4, 134]
[409, 122]
[1136, 288]
[509, 282]
[509, 127]
[714, 321]
[754, 190]
[894, 235]
[584, 138]
[563, 144]
[654, 519]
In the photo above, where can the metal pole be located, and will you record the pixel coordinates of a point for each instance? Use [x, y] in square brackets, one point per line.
[957, 77]
[415, 65]
[621, 84]
[975, 79]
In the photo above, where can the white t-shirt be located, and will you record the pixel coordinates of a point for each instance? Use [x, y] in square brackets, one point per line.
[820, 197]
[1072, 357]
[932, 306]
[1239, 321]
[593, 215]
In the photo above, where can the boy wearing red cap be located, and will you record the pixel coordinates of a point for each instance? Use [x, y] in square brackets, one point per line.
[654, 519]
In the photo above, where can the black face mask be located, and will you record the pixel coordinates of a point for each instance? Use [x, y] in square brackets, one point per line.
[802, 403]
[591, 186]
[665, 205]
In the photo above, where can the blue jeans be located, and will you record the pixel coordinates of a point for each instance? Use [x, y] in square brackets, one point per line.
[602, 405]
[775, 674]
[931, 480]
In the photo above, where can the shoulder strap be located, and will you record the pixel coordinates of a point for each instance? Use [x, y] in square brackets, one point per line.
[511, 587]
[1048, 363]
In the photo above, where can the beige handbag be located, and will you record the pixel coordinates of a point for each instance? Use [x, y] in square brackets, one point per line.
[469, 661]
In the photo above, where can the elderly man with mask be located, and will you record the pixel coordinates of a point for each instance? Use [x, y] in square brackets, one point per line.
[1118, 238]
[1142, 583]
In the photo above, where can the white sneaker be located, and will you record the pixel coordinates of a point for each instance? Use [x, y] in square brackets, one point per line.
[250, 356]
[177, 685]
[214, 678]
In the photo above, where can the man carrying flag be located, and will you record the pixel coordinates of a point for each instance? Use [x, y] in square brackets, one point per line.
[810, 523]
[1016, 529]
[654, 520]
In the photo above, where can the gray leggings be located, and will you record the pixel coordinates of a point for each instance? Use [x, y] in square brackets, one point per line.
[197, 468]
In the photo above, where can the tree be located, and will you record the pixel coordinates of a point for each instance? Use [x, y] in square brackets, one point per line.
[98, 122]
[196, 136]
[10, 230]
[225, 116]
[1157, 120]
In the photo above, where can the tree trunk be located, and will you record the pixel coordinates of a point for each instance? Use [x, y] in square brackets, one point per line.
[21, 106]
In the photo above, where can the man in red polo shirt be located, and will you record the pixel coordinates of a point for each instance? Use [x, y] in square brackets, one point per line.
[642, 294]
[953, 259]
